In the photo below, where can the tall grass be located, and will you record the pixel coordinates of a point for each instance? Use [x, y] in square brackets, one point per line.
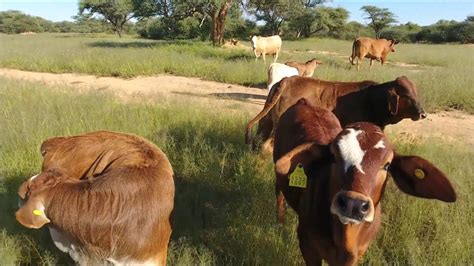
[224, 206]
[443, 72]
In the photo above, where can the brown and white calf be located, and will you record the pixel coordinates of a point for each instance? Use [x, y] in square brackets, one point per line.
[105, 196]
[339, 210]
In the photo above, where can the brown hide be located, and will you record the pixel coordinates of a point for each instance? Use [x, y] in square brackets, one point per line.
[301, 124]
[114, 195]
[305, 69]
[350, 102]
[374, 49]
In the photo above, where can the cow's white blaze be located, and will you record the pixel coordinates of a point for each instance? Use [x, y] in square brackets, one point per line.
[350, 150]
[380, 145]
[33, 177]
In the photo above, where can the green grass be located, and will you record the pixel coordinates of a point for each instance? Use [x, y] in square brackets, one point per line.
[443, 75]
[224, 212]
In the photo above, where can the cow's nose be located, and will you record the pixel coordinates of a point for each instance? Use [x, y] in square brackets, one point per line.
[423, 115]
[353, 208]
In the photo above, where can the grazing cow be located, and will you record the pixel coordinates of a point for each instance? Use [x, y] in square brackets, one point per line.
[377, 49]
[339, 209]
[381, 104]
[305, 69]
[266, 45]
[105, 196]
[277, 71]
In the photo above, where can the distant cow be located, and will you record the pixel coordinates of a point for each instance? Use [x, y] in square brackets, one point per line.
[381, 104]
[339, 209]
[106, 197]
[277, 71]
[266, 45]
[374, 49]
[305, 69]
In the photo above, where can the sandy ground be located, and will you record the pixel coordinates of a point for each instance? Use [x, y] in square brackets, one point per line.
[453, 126]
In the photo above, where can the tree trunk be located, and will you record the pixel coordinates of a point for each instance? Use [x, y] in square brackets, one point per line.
[218, 23]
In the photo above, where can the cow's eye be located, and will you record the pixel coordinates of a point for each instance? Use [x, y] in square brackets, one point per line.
[385, 167]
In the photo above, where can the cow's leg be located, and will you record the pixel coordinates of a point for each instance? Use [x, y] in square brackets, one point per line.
[264, 57]
[358, 63]
[280, 182]
[382, 61]
[275, 58]
[371, 63]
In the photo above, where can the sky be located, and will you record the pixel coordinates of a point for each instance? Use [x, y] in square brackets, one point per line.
[422, 12]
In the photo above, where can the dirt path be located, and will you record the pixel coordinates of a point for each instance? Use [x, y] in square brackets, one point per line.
[450, 126]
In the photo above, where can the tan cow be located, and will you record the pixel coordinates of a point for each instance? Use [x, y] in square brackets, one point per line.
[266, 45]
[105, 196]
[305, 69]
[374, 49]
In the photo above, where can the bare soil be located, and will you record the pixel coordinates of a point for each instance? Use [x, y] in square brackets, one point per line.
[452, 126]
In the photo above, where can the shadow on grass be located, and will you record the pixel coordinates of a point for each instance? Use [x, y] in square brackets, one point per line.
[241, 97]
[138, 43]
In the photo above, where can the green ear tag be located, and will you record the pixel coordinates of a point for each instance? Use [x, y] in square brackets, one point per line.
[38, 212]
[419, 173]
[298, 178]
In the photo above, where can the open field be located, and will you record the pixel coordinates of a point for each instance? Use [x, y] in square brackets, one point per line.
[224, 203]
[441, 72]
[224, 212]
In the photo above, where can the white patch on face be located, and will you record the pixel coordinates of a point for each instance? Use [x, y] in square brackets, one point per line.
[33, 177]
[350, 150]
[380, 145]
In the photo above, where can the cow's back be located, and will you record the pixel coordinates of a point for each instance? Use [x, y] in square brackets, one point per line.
[269, 45]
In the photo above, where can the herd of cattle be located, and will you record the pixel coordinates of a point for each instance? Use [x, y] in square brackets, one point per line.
[108, 196]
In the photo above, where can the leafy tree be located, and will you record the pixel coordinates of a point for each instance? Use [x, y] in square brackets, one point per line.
[379, 18]
[325, 21]
[13, 21]
[115, 12]
[176, 10]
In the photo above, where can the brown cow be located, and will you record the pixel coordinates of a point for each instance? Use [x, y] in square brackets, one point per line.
[377, 49]
[381, 104]
[339, 211]
[305, 69]
[106, 197]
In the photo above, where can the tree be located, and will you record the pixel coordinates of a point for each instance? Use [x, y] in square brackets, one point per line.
[379, 18]
[325, 21]
[176, 10]
[115, 12]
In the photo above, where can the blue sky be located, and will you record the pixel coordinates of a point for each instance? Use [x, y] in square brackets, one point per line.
[421, 11]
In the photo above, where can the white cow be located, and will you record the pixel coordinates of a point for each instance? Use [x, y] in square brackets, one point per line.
[266, 45]
[277, 72]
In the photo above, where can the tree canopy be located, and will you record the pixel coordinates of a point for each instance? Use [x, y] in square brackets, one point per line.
[379, 18]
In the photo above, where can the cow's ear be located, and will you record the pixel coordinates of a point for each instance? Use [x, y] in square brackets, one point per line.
[393, 101]
[420, 178]
[303, 154]
[32, 214]
[23, 189]
[319, 62]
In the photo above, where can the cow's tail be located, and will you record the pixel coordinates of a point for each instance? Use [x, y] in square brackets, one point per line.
[353, 55]
[274, 100]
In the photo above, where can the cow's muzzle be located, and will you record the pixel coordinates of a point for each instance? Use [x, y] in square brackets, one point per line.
[420, 113]
[352, 207]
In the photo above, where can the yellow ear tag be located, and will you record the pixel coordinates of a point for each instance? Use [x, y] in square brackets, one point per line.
[38, 212]
[419, 173]
[298, 178]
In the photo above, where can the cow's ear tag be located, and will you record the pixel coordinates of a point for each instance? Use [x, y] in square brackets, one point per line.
[38, 212]
[298, 178]
[419, 173]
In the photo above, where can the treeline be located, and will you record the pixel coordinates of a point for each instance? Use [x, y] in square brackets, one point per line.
[14, 22]
[159, 19]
